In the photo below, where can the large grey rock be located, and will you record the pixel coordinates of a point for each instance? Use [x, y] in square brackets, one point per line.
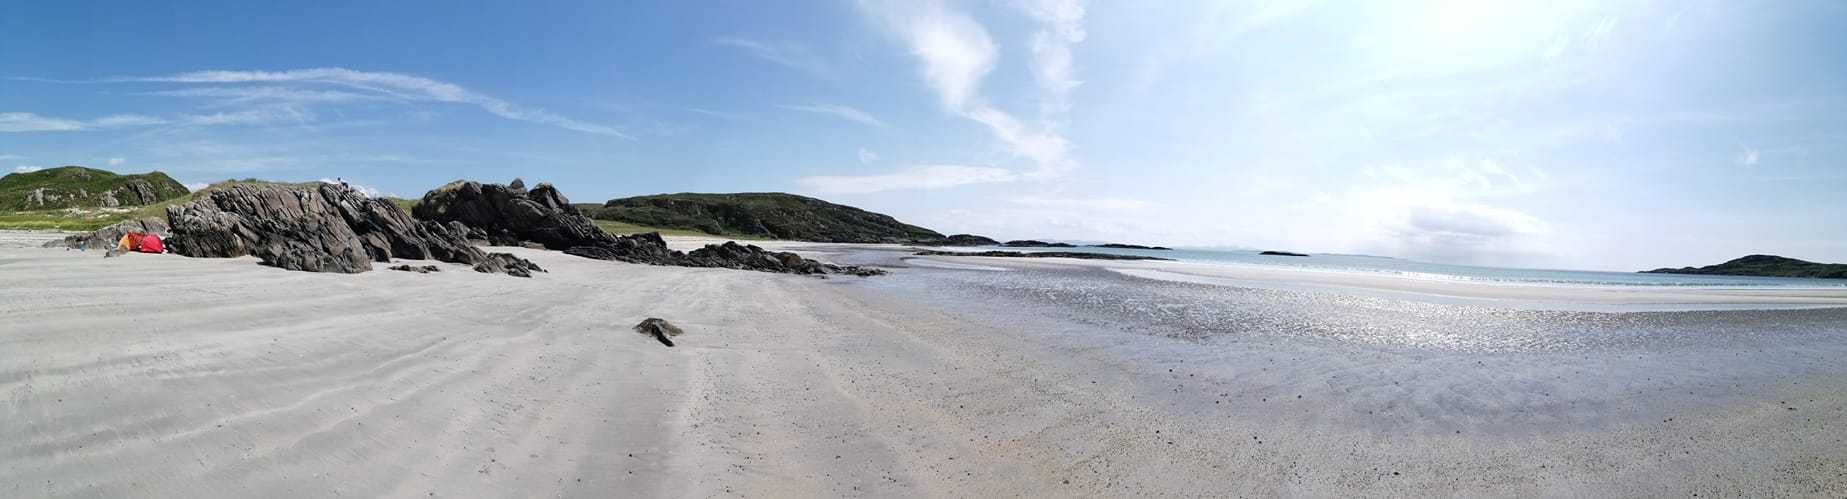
[508, 216]
[318, 229]
[108, 236]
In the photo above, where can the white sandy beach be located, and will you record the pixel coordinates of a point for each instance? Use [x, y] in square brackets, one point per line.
[164, 376]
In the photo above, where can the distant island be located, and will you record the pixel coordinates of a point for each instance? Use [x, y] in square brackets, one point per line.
[1130, 246]
[1031, 243]
[1764, 266]
[1281, 253]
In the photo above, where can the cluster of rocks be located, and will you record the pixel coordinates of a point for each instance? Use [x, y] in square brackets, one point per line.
[326, 228]
[511, 214]
[107, 236]
[421, 269]
[329, 228]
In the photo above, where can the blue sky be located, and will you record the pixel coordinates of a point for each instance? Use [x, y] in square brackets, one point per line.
[1580, 134]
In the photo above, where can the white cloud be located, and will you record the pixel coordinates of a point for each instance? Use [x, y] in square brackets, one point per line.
[842, 112]
[915, 177]
[268, 94]
[792, 55]
[116, 161]
[196, 186]
[1062, 26]
[1747, 158]
[27, 168]
[400, 86]
[867, 156]
[955, 54]
[29, 122]
[248, 117]
[363, 190]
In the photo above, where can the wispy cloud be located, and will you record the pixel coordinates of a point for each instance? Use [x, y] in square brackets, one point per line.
[842, 112]
[1115, 205]
[867, 156]
[29, 122]
[715, 114]
[276, 94]
[1061, 27]
[793, 55]
[27, 168]
[1747, 158]
[955, 54]
[248, 117]
[117, 161]
[915, 177]
[395, 85]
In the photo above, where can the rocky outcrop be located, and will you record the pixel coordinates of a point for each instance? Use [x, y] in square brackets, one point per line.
[108, 236]
[79, 187]
[732, 255]
[1041, 254]
[1280, 253]
[506, 215]
[1029, 243]
[317, 229]
[506, 263]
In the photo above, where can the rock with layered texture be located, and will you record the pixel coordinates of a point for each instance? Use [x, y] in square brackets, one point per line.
[326, 228]
[107, 236]
[506, 263]
[509, 215]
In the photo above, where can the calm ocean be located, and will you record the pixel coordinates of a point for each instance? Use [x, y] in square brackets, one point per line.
[1438, 271]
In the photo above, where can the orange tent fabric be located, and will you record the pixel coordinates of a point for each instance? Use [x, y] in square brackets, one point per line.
[132, 241]
[149, 244]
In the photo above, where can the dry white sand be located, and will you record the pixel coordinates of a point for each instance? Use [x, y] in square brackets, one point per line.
[163, 376]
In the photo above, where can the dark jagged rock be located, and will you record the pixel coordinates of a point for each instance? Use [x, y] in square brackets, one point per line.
[317, 229]
[507, 216]
[1029, 243]
[498, 263]
[1764, 266]
[1131, 246]
[659, 329]
[732, 255]
[772, 215]
[421, 270]
[957, 240]
[1281, 253]
[1041, 254]
[107, 236]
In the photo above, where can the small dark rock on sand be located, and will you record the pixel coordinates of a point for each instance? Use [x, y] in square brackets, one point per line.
[660, 329]
[425, 269]
[495, 263]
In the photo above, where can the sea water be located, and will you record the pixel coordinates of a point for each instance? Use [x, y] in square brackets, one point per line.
[1438, 271]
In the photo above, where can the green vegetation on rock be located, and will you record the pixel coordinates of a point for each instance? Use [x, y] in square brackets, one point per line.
[1765, 266]
[80, 187]
[771, 215]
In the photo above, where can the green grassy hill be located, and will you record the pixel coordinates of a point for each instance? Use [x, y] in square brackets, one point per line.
[1765, 266]
[92, 219]
[80, 187]
[770, 215]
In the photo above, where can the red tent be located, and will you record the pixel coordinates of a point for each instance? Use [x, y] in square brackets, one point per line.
[149, 244]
